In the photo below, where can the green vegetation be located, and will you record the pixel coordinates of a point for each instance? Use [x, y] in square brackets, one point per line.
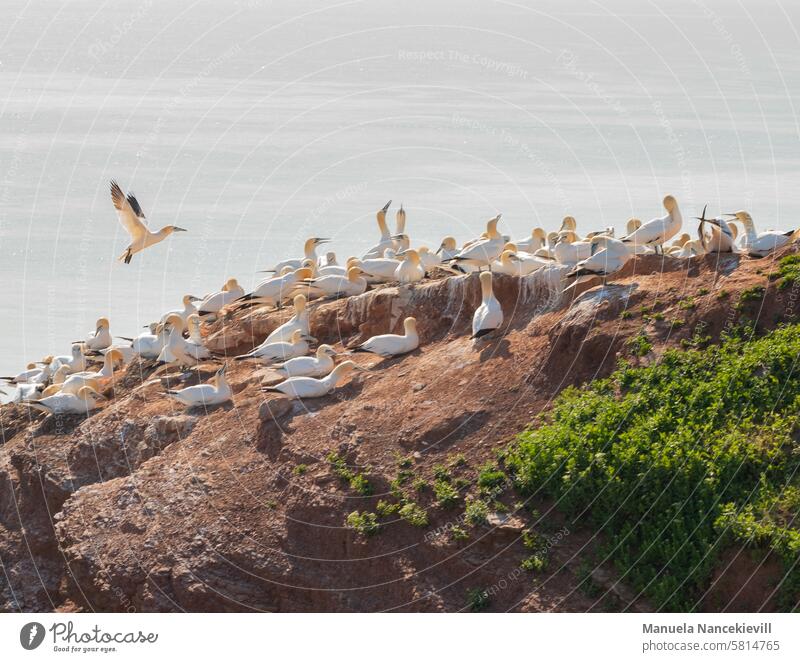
[476, 512]
[755, 293]
[357, 482]
[458, 533]
[477, 599]
[788, 273]
[386, 508]
[723, 294]
[687, 304]
[300, 469]
[365, 523]
[626, 314]
[640, 344]
[537, 561]
[447, 495]
[414, 514]
[458, 460]
[703, 291]
[676, 461]
[491, 480]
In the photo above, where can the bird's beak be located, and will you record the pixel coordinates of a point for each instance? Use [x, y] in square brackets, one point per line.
[321, 240]
[177, 229]
[514, 258]
[440, 250]
[386, 206]
[727, 213]
[194, 298]
[309, 338]
[221, 371]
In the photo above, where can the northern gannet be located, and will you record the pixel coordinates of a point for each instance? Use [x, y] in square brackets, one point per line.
[514, 264]
[85, 401]
[30, 375]
[194, 346]
[215, 302]
[386, 236]
[656, 232]
[759, 244]
[689, 249]
[281, 350]
[448, 249]
[214, 392]
[189, 307]
[273, 291]
[25, 392]
[352, 284]
[607, 256]
[75, 362]
[634, 224]
[133, 220]
[309, 253]
[410, 270]
[308, 366]
[390, 344]
[483, 252]
[723, 236]
[100, 339]
[402, 242]
[149, 344]
[298, 321]
[102, 377]
[377, 269]
[177, 349]
[400, 221]
[568, 250]
[309, 387]
[533, 243]
[489, 315]
[429, 260]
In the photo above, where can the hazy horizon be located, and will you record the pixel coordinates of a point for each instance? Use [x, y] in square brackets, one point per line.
[257, 124]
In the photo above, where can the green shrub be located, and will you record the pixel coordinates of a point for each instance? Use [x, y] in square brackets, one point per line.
[365, 523]
[788, 271]
[476, 512]
[414, 514]
[357, 482]
[300, 469]
[386, 508]
[640, 344]
[447, 495]
[665, 460]
[491, 480]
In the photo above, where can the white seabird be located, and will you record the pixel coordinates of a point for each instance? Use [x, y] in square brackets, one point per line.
[308, 366]
[377, 269]
[281, 350]
[133, 220]
[350, 285]
[189, 307]
[723, 236]
[309, 253]
[85, 401]
[656, 232]
[760, 244]
[273, 291]
[390, 344]
[100, 339]
[298, 321]
[309, 387]
[214, 392]
[215, 302]
[481, 253]
[607, 256]
[386, 240]
[489, 315]
[75, 362]
[537, 240]
[410, 270]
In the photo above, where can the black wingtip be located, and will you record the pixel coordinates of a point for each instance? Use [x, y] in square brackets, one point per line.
[482, 332]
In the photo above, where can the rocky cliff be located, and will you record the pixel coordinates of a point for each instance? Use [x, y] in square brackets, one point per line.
[146, 506]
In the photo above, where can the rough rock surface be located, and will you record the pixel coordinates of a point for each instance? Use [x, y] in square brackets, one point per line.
[144, 506]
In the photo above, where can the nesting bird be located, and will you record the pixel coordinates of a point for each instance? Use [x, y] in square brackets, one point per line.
[215, 392]
[392, 344]
[310, 387]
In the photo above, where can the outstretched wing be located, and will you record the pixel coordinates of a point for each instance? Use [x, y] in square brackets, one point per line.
[129, 211]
